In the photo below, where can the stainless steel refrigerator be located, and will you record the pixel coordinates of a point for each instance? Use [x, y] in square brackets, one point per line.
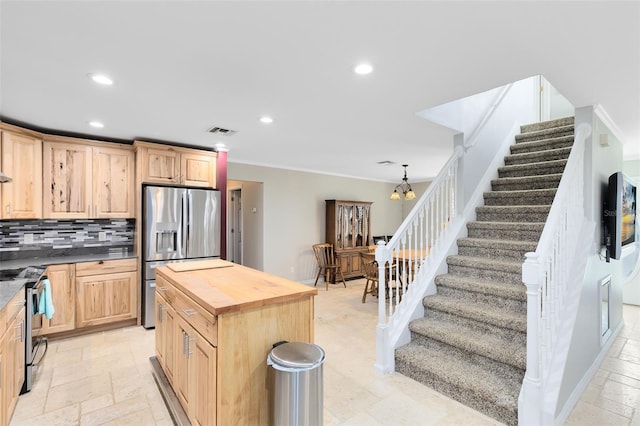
[179, 224]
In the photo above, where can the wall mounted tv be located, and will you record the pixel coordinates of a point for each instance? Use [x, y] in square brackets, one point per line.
[619, 214]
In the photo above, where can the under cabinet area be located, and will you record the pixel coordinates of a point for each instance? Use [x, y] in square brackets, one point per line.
[84, 181]
[21, 159]
[171, 165]
[106, 291]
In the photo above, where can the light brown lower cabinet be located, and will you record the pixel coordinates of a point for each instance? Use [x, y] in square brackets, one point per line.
[187, 358]
[12, 355]
[106, 292]
[63, 293]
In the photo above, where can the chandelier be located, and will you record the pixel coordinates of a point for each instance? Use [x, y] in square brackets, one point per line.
[404, 187]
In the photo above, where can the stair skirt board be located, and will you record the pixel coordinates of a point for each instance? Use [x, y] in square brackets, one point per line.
[471, 342]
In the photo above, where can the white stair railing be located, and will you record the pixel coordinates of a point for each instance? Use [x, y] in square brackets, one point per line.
[547, 276]
[408, 263]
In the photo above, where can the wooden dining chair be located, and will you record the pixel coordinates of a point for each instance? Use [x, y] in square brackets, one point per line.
[328, 262]
[370, 267]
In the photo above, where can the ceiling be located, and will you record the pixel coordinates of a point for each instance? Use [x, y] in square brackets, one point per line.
[182, 67]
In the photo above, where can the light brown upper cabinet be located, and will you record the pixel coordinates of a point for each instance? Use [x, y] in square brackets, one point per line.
[22, 161]
[175, 165]
[83, 181]
[113, 182]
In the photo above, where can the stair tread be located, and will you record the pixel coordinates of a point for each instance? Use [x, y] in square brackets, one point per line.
[463, 374]
[547, 124]
[497, 288]
[528, 145]
[489, 314]
[532, 208]
[461, 337]
[542, 153]
[506, 225]
[521, 193]
[539, 164]
[491, 242]
[545, 132]
[519, 179]
[485, 263]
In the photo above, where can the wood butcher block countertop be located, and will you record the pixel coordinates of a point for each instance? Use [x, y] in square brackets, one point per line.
[233, 288]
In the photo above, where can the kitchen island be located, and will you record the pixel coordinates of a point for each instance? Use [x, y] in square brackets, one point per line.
[216, 322]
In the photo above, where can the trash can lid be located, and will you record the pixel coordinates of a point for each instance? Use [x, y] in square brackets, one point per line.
[297, 354]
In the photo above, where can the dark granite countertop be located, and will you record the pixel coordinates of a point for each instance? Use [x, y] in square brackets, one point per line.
[46, 261]
[9, 288]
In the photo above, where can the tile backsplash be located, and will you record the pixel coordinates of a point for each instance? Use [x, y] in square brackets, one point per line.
[21, 239]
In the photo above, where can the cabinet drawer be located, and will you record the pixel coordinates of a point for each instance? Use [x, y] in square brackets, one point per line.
[106, 267]
[167, 291]
[202, 321]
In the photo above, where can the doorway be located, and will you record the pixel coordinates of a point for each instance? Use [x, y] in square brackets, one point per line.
[235, 226]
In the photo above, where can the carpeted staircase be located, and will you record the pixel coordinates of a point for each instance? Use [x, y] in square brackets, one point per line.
[471, 343]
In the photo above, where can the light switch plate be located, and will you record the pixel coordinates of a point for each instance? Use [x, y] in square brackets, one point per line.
[102, 236]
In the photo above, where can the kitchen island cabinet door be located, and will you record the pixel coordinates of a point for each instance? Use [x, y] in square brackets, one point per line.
[183, 374]
[204, 383]
[113, 181]
[165, 323]
[195, 374]
[67, 180]
[63, 292]
[103, 299]
[22, 161]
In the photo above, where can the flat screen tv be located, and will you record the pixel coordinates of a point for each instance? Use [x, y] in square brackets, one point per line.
[619, 214]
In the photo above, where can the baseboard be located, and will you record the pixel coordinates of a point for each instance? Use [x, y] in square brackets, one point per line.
[178, 416]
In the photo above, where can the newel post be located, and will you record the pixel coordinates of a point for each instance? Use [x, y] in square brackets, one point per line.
[530, 401]
[383, 361]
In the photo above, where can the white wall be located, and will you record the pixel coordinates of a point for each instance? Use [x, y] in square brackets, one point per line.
[486, 120]
[586, 345]
[293, 213]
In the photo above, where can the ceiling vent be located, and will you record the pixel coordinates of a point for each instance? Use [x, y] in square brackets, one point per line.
[386, 163]
[220, 131]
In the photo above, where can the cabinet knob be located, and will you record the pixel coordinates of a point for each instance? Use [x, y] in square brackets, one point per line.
[189, 312]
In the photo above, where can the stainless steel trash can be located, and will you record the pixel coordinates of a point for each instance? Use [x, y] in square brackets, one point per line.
[297, 397]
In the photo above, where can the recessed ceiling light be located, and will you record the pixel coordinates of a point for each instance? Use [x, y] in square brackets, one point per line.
[266, 120]
[101, 79]
[220, 145]
[363, 69]
[96, 124]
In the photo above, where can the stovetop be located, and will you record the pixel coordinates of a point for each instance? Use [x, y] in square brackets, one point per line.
[30, 273]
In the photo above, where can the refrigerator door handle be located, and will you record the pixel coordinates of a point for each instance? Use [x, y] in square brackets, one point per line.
[185, 224]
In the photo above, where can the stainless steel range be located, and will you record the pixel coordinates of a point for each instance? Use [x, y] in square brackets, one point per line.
[35, 345]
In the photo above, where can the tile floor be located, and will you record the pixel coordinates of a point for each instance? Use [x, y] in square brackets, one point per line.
[105, 378]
